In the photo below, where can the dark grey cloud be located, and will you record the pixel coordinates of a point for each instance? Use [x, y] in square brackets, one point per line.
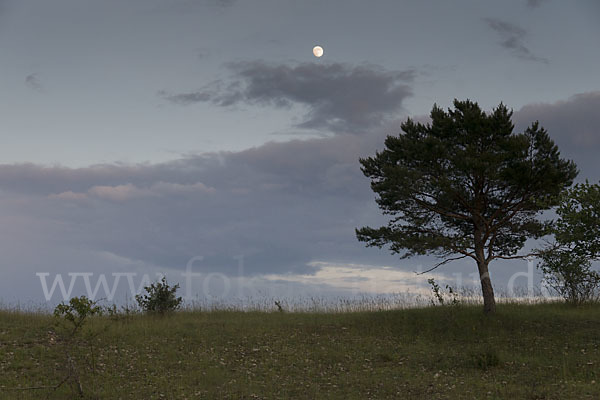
[339, 97]
[574, 124]
[186, 6]
[536, 3]
[512, 38]
[279, 205]
[34, 83]
[224, 3]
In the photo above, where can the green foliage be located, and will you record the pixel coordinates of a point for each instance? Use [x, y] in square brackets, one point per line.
[570, 275]
[567, 263]
[77, 311]
[578, 225]
[159, 298]
[466, 169]
[465, 185]
[76, 314]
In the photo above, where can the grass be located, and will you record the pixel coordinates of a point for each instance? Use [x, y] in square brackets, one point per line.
[541, 351]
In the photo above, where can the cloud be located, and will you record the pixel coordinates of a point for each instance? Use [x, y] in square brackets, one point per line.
[535, 3]
[574, 125]
[119, 192]
[33, 82]
[289, 209]
[190, 98]
[69, 195]
[129, 191]
[187, 6]
[280, 205]
[512, 39]
[164, 188]
[361, 278]
[224, 3]
[338, 97]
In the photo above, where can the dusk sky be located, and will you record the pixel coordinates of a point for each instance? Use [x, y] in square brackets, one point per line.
[137, 135]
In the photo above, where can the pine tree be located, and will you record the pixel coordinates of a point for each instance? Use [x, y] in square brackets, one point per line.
[465, 185]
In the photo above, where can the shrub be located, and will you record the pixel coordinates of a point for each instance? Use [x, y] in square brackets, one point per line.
[77, 311]
[567, 263]
[570, 275]
[159, 298]
[75, 314]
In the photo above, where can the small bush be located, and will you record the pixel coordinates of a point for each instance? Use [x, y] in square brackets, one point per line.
[77, 311]
[567, 264]
[570, 275]
[76, 314]
[159, 298]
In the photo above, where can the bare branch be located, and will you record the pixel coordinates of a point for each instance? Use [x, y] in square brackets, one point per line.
[440, 264]
[536, 254]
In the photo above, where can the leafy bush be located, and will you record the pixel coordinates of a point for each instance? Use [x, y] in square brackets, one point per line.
[159, 298]
[567, 263]
[570, 275]
[77, 311]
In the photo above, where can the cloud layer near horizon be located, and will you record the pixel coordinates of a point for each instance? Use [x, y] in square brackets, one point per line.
[285, 207]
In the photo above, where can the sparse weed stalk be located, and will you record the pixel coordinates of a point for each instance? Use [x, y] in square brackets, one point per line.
[279, 306]
[123, 314]
[439, 296]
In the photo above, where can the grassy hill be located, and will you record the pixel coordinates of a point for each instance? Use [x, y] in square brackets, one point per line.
[545, 351]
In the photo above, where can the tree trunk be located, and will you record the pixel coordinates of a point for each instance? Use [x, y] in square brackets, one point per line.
[489, 302]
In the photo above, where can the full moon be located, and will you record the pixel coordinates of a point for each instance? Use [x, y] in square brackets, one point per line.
[318, 51]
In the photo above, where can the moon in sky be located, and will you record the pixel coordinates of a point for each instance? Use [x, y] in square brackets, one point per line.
[318, 51]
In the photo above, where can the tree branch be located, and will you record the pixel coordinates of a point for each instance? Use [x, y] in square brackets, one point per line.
[518, 257]
[511, 212]
[439, 210]
[490, 247]
[440, 264]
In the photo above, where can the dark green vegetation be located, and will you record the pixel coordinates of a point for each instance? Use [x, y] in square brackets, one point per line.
[546, 351]
[465, 185]
[159, 298]
[567, 262]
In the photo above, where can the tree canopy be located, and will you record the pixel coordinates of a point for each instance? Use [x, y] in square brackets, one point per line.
[465, 185]
[567, 262]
